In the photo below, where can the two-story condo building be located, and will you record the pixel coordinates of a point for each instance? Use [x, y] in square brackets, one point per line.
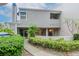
[48, 22]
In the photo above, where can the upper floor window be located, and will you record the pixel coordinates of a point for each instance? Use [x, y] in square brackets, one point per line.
[54, 15]
[22, 15]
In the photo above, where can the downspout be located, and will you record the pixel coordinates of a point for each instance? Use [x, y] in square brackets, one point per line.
[14, 14]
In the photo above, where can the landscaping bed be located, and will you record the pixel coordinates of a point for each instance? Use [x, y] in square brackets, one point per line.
[57, 53]
[11, 45]
[59, 45]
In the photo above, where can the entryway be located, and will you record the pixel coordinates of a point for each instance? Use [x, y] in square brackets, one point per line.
[22, 31]
[50, 32]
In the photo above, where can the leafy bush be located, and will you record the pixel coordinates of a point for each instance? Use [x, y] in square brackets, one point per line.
[11, 45]
[32, 30]
[76, 36]
[7, 30]
[60, 45]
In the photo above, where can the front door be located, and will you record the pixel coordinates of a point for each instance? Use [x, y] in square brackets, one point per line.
[25, 34]
[50, 32]
[22, 32]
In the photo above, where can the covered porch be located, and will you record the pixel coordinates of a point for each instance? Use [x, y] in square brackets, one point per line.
[48, 32]
[41, 31]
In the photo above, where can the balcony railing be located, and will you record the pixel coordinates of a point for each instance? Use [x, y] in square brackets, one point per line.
[48, 23]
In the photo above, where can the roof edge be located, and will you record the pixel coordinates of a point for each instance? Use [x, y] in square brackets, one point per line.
[40, 9]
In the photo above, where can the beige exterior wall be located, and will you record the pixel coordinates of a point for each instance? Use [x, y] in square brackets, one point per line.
[40, 18]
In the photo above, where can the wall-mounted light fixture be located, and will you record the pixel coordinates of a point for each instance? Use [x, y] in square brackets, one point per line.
[50, 30]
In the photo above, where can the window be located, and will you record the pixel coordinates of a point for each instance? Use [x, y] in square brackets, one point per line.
[41, 32]
[23, 15]
[54, 15]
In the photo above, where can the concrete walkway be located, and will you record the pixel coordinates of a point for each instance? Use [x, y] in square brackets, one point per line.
[38, 52]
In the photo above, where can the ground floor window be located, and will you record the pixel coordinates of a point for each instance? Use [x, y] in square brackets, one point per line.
[41, 31]
[48, 31]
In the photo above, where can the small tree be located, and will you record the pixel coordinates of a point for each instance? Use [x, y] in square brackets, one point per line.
[72, 25]
[32, 31]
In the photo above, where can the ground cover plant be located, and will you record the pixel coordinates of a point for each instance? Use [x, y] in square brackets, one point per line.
[59, 45]
[11, 45]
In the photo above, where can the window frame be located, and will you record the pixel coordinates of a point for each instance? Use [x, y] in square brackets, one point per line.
[53, 15]
[22, 15]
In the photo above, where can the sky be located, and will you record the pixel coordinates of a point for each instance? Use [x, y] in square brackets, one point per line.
[70, 10]
[5, 13]
[38, 5]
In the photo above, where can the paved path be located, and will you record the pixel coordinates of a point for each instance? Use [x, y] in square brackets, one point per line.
[45, 52]
[26, 53]
[38, 52]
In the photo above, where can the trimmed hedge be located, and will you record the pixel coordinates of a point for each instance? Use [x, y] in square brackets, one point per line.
[60, 45]
[7, 30]
[76, 36]
[11, 45]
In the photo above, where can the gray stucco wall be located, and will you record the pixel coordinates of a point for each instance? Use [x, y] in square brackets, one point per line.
[39, 18]
[42, 18]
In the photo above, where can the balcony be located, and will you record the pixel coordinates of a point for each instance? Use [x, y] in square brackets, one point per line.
[42, 24]
[55, 23]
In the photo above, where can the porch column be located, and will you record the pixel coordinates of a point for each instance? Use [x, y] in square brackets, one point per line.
[46, 31]
[14, 27]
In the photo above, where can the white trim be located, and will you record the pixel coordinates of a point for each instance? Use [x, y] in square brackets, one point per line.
[46, 31]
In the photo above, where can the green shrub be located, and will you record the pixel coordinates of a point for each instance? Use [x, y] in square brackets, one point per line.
[11, 45]
[32, 30]
[60, 45]
[7, 30]
[76, 36]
